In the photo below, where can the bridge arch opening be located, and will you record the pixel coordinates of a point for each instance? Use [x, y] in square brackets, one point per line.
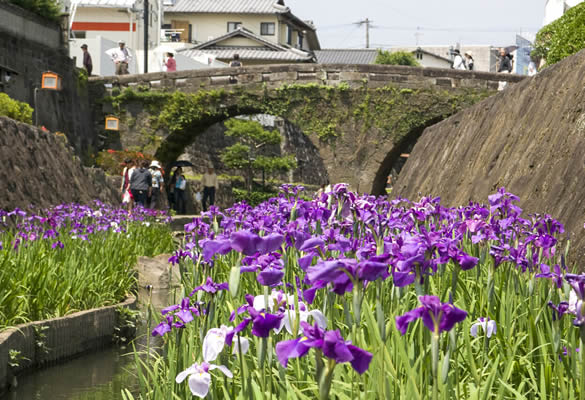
[395, 159]
[203, 145]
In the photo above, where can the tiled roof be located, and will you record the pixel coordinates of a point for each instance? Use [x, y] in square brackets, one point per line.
[240, 31]
[250, 54]
[228, 6]
[346, 56]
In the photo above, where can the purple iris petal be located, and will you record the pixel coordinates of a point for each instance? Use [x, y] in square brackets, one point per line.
[466, 261]
[312, 243]
[361, 359]
[245, 242]
[305, 262]
[270, 276]
[291, 349]
[270, 243]
[212, 247]
[334, 347]
[405, 319]
[372, 270]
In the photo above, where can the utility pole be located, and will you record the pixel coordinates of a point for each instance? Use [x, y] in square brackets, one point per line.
[366, 22]
[367, 33]
[146, 20]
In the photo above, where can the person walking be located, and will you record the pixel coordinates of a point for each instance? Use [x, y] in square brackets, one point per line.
[180, 186]
[210, 185]
[157, 185]
[469, 60]
[170, 63]
[235, 64]
[121, 58]
[506, 64]
[125, 185]
[458, 61]
[236, 61]
[141, 184]
[87, 63]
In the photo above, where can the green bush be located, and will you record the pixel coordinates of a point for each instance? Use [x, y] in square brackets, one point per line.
[49, 9]
[15, 109]
[563, 37]
[396, 58]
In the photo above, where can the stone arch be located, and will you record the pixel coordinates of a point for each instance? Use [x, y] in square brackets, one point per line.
[355, 129]
[393, 155]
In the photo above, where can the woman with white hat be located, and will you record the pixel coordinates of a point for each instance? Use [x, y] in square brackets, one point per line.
[157, 184]
[469, 60]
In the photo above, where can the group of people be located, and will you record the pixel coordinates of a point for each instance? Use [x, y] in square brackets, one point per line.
[143, 184]
[121, 58]
[464, 62]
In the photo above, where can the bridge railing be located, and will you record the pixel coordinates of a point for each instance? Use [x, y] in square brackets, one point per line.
[328, 74]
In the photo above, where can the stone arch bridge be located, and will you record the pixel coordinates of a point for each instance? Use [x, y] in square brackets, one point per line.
[359, 117]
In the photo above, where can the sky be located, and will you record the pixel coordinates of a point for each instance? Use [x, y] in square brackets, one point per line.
[439, 22]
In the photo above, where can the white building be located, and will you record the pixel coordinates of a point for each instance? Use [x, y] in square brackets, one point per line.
[554, 9]
[485, 57]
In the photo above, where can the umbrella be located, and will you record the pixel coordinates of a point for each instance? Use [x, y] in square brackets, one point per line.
[182, 163]
[111, 51]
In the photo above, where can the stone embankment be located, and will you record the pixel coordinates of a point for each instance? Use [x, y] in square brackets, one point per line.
[529, 139]
[40, 168]
[40, 343]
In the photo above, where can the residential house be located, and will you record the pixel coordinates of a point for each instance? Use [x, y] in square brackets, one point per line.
[485, 57]
[368, 56]
[260, 31]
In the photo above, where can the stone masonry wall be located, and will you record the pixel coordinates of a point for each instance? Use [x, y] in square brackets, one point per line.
[62, 338]
[40, 168]
[273, 76]
[529, 139]
[30, 46]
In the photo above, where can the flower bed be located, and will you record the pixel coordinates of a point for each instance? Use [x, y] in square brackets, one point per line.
[71, 258]
[357, 297]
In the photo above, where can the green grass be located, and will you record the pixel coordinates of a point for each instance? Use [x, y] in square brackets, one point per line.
[38, 282]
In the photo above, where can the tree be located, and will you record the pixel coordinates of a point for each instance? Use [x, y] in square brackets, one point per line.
[396, 58]
[563, 37]
[248, 155]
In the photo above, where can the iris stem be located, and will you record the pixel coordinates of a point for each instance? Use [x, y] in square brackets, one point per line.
[435, 361]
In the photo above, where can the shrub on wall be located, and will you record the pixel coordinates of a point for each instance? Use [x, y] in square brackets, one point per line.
[15, 109]
[49, 9]
[563, 37]
[396, 58]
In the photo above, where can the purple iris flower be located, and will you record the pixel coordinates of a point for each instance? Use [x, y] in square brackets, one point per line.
[58, 244]
[437, 317]
[166, 326]
[466, 261]
[262, 323]
[578, 284]
[555, 275]
[560, 310]
[330, 343]
[210, 287]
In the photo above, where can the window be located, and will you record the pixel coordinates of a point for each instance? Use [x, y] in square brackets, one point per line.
[78, 34]
[232, 26]
[267, 28]
[300, 41]
[289, 34]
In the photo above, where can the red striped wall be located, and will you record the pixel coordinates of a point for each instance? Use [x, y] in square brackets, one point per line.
[103, 26]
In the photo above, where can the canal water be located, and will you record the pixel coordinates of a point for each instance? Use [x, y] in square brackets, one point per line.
[99, 375]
